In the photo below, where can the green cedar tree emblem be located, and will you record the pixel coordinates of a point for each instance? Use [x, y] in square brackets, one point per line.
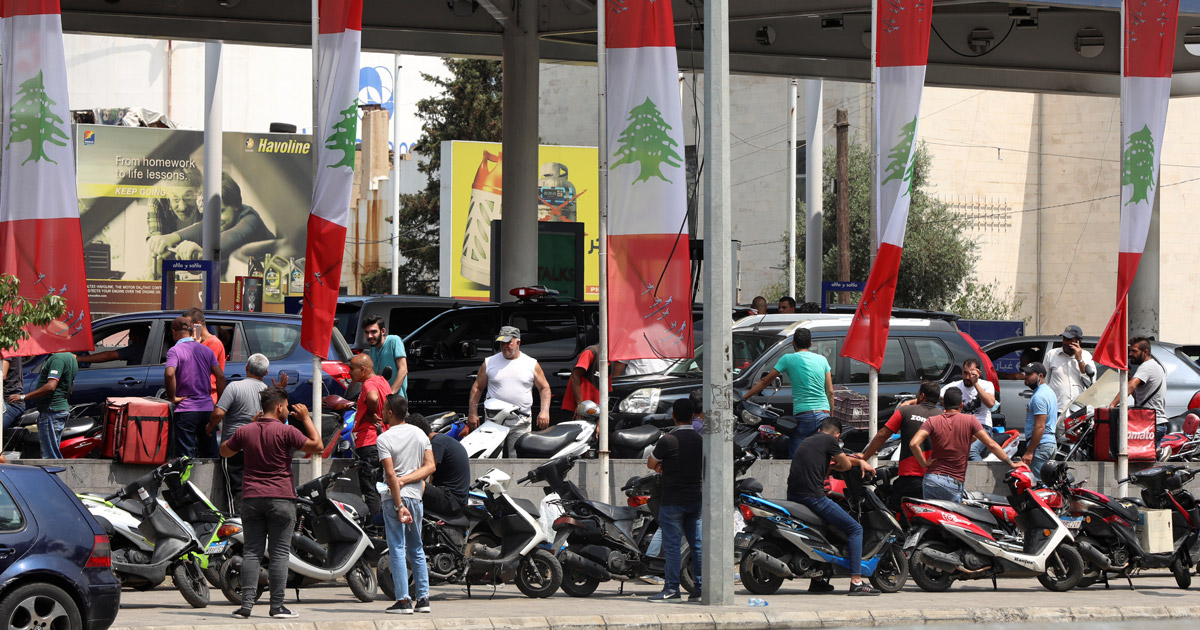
[647, 142]
[32, 120]
[345, 139]
[1138, 169]
[901, 165]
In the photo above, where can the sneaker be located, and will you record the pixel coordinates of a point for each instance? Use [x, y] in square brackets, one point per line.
[820, 586]
[694, 597]
[241, 613]
[402, 607]
[422, 605]
[665, 596]
[282, 613]
[862, 589]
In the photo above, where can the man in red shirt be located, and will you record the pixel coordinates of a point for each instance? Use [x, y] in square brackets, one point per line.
[950, 436]
[368, 425]
[210, 341]
[580, 386]
[907, 420]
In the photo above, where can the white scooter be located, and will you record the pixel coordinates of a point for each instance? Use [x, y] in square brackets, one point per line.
[565, 439]
[487, 441]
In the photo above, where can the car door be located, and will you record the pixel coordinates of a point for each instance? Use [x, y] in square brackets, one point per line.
[894, 376]
[452, 348]
[233, 338]
[1008, 358]
[97, 381]
[18, 531]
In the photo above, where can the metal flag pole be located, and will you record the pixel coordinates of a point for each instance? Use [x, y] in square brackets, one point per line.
[872, 407]
[396, 175]
[316, 366]
[876, 229]
[1123, 404]
[602, 360]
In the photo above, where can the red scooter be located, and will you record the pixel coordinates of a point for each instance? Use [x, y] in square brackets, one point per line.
[82, 435]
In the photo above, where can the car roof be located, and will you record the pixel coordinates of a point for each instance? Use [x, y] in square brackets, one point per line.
[403, 299]
[1050, 338]
[786, 324]
[207, 314]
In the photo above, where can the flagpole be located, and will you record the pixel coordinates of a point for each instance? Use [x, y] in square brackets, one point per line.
[791, 199]
[1123, 404]
[316, 366]
[602, 144]
[875, 228]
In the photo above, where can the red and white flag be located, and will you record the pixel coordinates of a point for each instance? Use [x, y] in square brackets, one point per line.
[649, 265]
[902, 51]
[40, 241]
[1148, 49]
[338, 50]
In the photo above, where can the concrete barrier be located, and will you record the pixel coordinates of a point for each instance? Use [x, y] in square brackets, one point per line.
[102, 476]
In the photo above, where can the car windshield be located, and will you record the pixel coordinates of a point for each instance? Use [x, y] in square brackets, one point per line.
[747, 348]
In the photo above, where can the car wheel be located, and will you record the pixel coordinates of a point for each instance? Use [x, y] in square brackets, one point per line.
[40, 605]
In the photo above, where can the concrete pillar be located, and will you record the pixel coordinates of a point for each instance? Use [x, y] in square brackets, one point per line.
[210, 231]
[520, 119]
[718, 301]
[1144, 293]
[814, 222]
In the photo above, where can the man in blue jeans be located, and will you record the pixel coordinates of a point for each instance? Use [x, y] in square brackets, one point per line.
[14, 389]
[806, 486]
[54, 385]
[1041, 416]
[406, 455]
[812, 384]
[679, 456]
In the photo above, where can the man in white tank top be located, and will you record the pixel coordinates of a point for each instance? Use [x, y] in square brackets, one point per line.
[511, 376]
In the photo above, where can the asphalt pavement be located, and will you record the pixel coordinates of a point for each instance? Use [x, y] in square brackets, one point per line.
[970, 603]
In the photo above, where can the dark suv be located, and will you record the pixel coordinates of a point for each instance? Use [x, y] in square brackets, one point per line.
[918, 349]
[55, 564]
[401, 314]
[275, 335]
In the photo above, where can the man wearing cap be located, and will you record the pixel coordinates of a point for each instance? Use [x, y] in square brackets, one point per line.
[510, 376]
[1041, 416]
[1071, 370]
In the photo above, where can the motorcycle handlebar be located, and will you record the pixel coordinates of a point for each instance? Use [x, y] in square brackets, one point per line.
[1121, 481]
[525, 479]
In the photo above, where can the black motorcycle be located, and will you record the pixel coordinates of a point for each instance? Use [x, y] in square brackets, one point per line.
[1163, 489]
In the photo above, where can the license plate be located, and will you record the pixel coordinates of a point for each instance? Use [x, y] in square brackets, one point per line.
[911, 540]
[216, 547]
[742, 541]
[1073, 523]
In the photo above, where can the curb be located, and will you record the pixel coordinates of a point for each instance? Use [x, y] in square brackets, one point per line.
[724, 619]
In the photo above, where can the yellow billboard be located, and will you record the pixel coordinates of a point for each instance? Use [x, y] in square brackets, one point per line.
[568, 191]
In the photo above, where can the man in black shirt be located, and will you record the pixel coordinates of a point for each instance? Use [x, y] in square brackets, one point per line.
[806, 486]
[679, 456]
[447, 490]
[907, 420]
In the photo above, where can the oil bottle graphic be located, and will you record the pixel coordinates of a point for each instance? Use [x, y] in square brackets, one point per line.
[274, 280]
[556, 194]
[485, 206]
[296, 279]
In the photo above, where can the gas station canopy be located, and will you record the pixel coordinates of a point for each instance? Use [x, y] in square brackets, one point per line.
[1068, 46]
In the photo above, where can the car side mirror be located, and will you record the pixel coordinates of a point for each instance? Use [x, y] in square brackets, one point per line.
[468, 350]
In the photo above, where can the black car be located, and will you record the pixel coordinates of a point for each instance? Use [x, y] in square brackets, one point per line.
[919, 348]
[401, 314]
[55, 562]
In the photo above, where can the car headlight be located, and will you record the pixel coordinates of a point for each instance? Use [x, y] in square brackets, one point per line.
[644, 400]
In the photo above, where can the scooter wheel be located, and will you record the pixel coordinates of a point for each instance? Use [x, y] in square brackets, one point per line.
[756, 579]
[1182, 571]
[892, 571]
[190, 582]
[1064, 569]
[929, 578]
[362, 581]
[231, 581]
[539, 574]
[576, 584]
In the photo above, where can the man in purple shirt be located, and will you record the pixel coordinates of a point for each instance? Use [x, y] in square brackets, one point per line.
[189, 365]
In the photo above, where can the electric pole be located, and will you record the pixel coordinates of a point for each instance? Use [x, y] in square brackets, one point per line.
[843, 200]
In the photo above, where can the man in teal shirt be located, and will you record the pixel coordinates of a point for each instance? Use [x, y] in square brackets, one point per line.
[54, 384]
[386, 352]
[812, 384]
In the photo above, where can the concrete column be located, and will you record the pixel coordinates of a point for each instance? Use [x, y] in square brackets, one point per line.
[791, 198]
[520, 119]
[718, 301]
[210, 231]
[396, 174]
[1144, 292]
[814, 149]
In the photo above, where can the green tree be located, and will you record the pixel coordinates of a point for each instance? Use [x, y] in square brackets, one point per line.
[34, 122]
[901, 165]
[1138, 165]
[469, 108]
[646, 141]
[937, 269]
[18, 313]
[345, 139]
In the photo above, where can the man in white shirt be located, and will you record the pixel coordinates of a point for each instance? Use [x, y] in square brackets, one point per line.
[978, 398]
[510, 376]
[406, 456]
[1071, 371]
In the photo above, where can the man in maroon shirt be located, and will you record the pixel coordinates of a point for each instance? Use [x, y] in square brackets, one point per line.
[269, 493]
[950, 436]
[907, 420]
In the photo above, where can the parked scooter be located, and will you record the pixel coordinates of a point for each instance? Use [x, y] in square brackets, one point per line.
[565, 439]
[212, 528]
[1163, 489]
[487, 440]
[948, 541]
[149, 540]
[786, 540]
[502, 544]
[327, 545]
[82, 436]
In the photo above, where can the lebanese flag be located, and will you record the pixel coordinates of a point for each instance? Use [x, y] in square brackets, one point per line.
[902, 50]
[1148, 49]
[40, 241]
[649, 264]
[338, 51]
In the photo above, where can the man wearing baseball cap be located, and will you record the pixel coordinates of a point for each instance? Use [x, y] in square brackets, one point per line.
[1040, 418]
[1070, 370]
[510, 376]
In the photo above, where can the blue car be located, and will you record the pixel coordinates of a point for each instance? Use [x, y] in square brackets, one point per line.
[142, 341]
[55, 563]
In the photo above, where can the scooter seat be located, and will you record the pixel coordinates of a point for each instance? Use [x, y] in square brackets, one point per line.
[547, 442]
[808, 517]
[973, 513]
[615, 512]
[454, 520]
[78, 426]
[635, 438]
[984, 497]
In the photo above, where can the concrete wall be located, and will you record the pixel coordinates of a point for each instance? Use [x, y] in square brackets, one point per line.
[105, 477]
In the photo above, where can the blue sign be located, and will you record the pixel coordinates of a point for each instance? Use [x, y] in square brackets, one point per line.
[208, 271]
[837, 285]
